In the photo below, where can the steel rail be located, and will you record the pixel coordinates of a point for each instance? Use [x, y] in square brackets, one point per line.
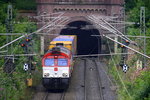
[63, 95]
[85, 64]
[46, 96]
[99, 80]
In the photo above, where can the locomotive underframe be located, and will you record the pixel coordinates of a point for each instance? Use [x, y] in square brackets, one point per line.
[55, 83]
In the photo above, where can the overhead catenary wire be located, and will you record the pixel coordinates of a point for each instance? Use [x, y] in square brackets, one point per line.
[118, 72]
[63, 21]
[51, 14]
[7, 60]
[109, 27]
[127, 47]
[14, 55]
[95, 21]
[92, 55]
[2, 81]
[116, 30]
[22, 60]
[42, 28]
[99, 26]
[51, 23]
[16, 46]
[127, 36]
[11, 54]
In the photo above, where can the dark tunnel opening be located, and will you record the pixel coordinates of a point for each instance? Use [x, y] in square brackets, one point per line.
[86, 44]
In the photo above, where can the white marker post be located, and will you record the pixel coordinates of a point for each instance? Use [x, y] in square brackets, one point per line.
[25, 67]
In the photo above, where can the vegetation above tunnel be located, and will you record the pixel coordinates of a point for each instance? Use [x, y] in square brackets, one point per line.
[21, 4]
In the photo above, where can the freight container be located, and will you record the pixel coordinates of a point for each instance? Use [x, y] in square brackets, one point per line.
[67, 41]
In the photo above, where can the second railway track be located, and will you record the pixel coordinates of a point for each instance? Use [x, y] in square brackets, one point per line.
[92, 81]
[54, 96]
[98, 79]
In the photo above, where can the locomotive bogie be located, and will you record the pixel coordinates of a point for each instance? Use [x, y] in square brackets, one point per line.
[55, 83]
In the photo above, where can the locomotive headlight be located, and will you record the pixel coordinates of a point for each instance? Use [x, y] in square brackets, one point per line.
[46, 74]
[65, 74]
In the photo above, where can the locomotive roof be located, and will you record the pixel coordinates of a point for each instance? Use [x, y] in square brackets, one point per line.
[62, 50]
[64, 38]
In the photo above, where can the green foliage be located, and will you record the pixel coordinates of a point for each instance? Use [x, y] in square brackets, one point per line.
[3, 14]
[21, 4]
[25, 4]
[130, 4]
[134, 16]
[3, 38]
[13, 86]
[139, 88]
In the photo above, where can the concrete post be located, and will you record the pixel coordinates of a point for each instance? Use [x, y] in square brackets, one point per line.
[115, 44]
[42, 45]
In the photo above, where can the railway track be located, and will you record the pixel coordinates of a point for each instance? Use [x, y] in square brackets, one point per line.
[46, 96]
[54, 96]
[87, 83]
[92, 81]
[98, 79]
[85, 64]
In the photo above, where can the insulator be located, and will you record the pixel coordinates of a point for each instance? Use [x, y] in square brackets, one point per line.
[122, 46]
[127, 41]
[27, 40]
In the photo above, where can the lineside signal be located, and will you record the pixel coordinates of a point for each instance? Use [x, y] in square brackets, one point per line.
[23, 45]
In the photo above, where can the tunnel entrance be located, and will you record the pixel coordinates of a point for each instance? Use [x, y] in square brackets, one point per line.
[86, 44]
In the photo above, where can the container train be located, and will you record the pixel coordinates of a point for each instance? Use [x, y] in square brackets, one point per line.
[57, 63]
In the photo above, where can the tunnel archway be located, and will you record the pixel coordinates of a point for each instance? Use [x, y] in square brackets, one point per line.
[86, 44]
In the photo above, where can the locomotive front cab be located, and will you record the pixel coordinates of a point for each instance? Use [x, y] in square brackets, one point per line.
[56, 67]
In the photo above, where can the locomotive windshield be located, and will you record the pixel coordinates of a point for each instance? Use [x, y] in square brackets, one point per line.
[62, 62]
[49, 62]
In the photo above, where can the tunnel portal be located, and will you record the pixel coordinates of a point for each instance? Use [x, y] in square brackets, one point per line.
[86, 44]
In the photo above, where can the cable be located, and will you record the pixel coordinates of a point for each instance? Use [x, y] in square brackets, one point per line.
[51, 23]
[118, 71]
[127, 47]
[109, 27]
[13, 69]
[11, 54]
[14, 49]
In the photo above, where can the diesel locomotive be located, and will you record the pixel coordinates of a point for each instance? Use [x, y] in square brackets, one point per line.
[57, 63]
